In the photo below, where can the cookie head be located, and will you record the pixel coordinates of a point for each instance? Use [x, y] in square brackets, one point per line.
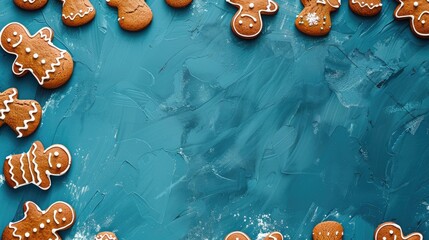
[329, 230]
[12, 36]
[274, 236]
[237, 236]
[63, 215]
[106, 236]
[59, 159]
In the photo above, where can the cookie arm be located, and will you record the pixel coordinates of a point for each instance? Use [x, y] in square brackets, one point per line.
[46, 33]
[17, 68]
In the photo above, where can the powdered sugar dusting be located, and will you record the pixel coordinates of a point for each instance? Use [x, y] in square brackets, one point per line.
[1, 180]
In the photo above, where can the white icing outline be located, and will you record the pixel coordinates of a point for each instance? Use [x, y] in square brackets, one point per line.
[237, 232]
[412, 18]
[54, 230]
[259, 12]
[81, 15]
[6, 104]
[399, 228]
[26, 122]
[48, 40]
[367, 5]
[274, 238]
[330, 4]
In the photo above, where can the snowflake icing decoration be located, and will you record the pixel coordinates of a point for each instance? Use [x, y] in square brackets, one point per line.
[312, 19]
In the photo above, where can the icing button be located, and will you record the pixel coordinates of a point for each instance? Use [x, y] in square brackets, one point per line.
[251, 5]
[416, 4]
[28, 50]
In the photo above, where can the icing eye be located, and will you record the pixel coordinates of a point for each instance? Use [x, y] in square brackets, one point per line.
[391, 232]
[251, 5]
[250, 25]
[240, 22]
[15, 34]
[9, 40]
[60, 210]
[56, 154]
[64, 219]
[59, 165]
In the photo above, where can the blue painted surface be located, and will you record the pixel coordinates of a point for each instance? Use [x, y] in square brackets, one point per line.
[183, 131]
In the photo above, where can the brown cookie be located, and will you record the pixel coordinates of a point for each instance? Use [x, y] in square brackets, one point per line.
[38, 224]
[106, 236]
[30, 5]
[315, 18]
[178, 3]
[392, 231]
[36, 166]
[237, 236]
[328, 230]
[274, 236]
[77, 12]
[365, 8]
[418, 13]
[51, 66]
[247, 21]
[23, 116]
[133, 15]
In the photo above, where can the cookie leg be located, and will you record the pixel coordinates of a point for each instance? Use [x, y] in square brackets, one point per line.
[62, 73]
[179, 3]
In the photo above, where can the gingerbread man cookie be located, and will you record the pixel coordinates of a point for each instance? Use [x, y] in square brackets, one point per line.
[274, 236]
[23, 116]
[77, 12]
[106, 236]
[247, 22]
[365, 8]
[237, 236]
[51, 66]
[178, 3]
[328, 230]
[418, 13]
[315, 18]
[30, 5]
[392, 231]
[36, 166]
[133, 15]
[38, 224]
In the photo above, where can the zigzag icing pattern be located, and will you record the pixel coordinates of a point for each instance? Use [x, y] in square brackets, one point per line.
[26, 122]
[9, 162]
[365, 4]
[6, 104]
[80, 14]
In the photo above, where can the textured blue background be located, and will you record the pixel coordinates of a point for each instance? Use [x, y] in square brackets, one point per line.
[183, 131]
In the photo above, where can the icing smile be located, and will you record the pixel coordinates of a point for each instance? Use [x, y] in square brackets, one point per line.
[17, 43]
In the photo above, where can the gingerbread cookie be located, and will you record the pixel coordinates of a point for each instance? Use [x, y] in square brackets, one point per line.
[23, 116]
[274, 236]
[418, 13]
[77, 12]
[329, 230]
[365, 8]
[30, 5]
[247, 22]
[178, 3]
[392, 231]
[106, 236]
[51, 66]
[237, 236]
[38, 224]
[36, 166]
[133, 15]
[315, 18]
